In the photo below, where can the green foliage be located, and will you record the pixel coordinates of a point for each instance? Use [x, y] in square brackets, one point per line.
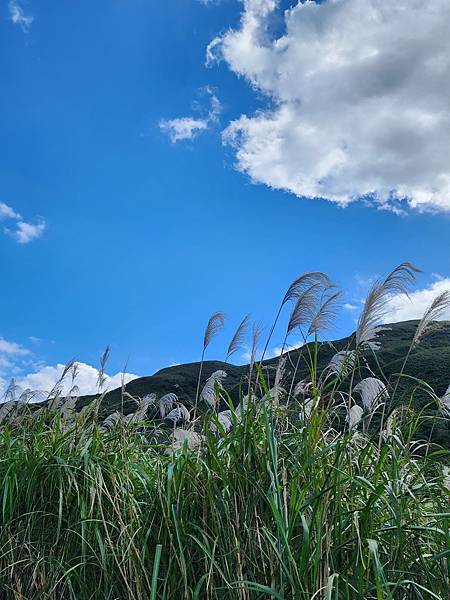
[277, 508]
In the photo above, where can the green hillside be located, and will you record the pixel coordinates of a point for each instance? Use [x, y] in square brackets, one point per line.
[430, 362]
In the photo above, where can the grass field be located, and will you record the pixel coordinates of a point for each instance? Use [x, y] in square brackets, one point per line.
[323, 490]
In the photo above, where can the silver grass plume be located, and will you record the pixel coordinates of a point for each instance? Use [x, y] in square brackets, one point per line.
[375, 307]
[238, 339]
[54, 395]
[295, 290]
[394, 421]
[215, 324]
[242, 407]
[111, 421]
[433, 313]
[354, 416]
[303, 282]
[167, 403]
[444, 403]
[101, 378]
[11, 391]
[7, 409]
[306, 408]
[225, 421]
[182, 437]
[372, 391]
[446, 476]
[55, 403]
[304, 308]
[144, 404]
[179, 415]
[67, 409]
[26, 396]
[279, 375]
[256, 336]
[302, 387]
[326, 313]
[209, 393]
[342, 363]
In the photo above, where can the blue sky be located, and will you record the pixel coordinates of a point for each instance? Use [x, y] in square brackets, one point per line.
[113, 233]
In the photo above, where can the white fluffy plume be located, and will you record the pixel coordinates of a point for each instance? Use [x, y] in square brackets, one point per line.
[208, 393]
[372, 391]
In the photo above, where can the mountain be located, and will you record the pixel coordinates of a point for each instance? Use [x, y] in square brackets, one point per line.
[429, 362]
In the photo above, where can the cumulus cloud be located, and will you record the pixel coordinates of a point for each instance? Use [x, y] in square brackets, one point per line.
[45, 378]
[19, 362]
[18, 16]
[24, 232]
[357, 99]
[402, 308]
[187, 128]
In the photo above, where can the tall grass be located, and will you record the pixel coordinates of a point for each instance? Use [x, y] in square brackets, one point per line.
[290, 503]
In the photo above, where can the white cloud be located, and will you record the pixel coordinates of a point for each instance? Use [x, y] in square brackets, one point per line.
[12, 356]
[278, 349]
[18, 17]
[12, 348]
[19, 362]
[402, 308]
[48, 376]
[271, 353]
[24, 232]
[7, 212]
[349, 306]
[187, 128]
[357, 94]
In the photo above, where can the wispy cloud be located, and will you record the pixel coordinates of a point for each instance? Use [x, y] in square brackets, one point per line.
[349, 306]
[187, 128]
[12, 356]
[22, 231]
[12, 348]
[7, 212]
[184, 128]
[18, 16]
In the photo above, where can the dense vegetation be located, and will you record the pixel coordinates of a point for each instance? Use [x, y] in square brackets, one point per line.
[429, 362]
[327, 486]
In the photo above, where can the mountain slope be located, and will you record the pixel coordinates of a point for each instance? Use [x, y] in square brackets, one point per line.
[430, 361]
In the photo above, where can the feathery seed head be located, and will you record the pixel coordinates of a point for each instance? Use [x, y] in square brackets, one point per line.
[215, 324]
[354, 416]
[372, 391]
[238, 339]
[166, 404]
